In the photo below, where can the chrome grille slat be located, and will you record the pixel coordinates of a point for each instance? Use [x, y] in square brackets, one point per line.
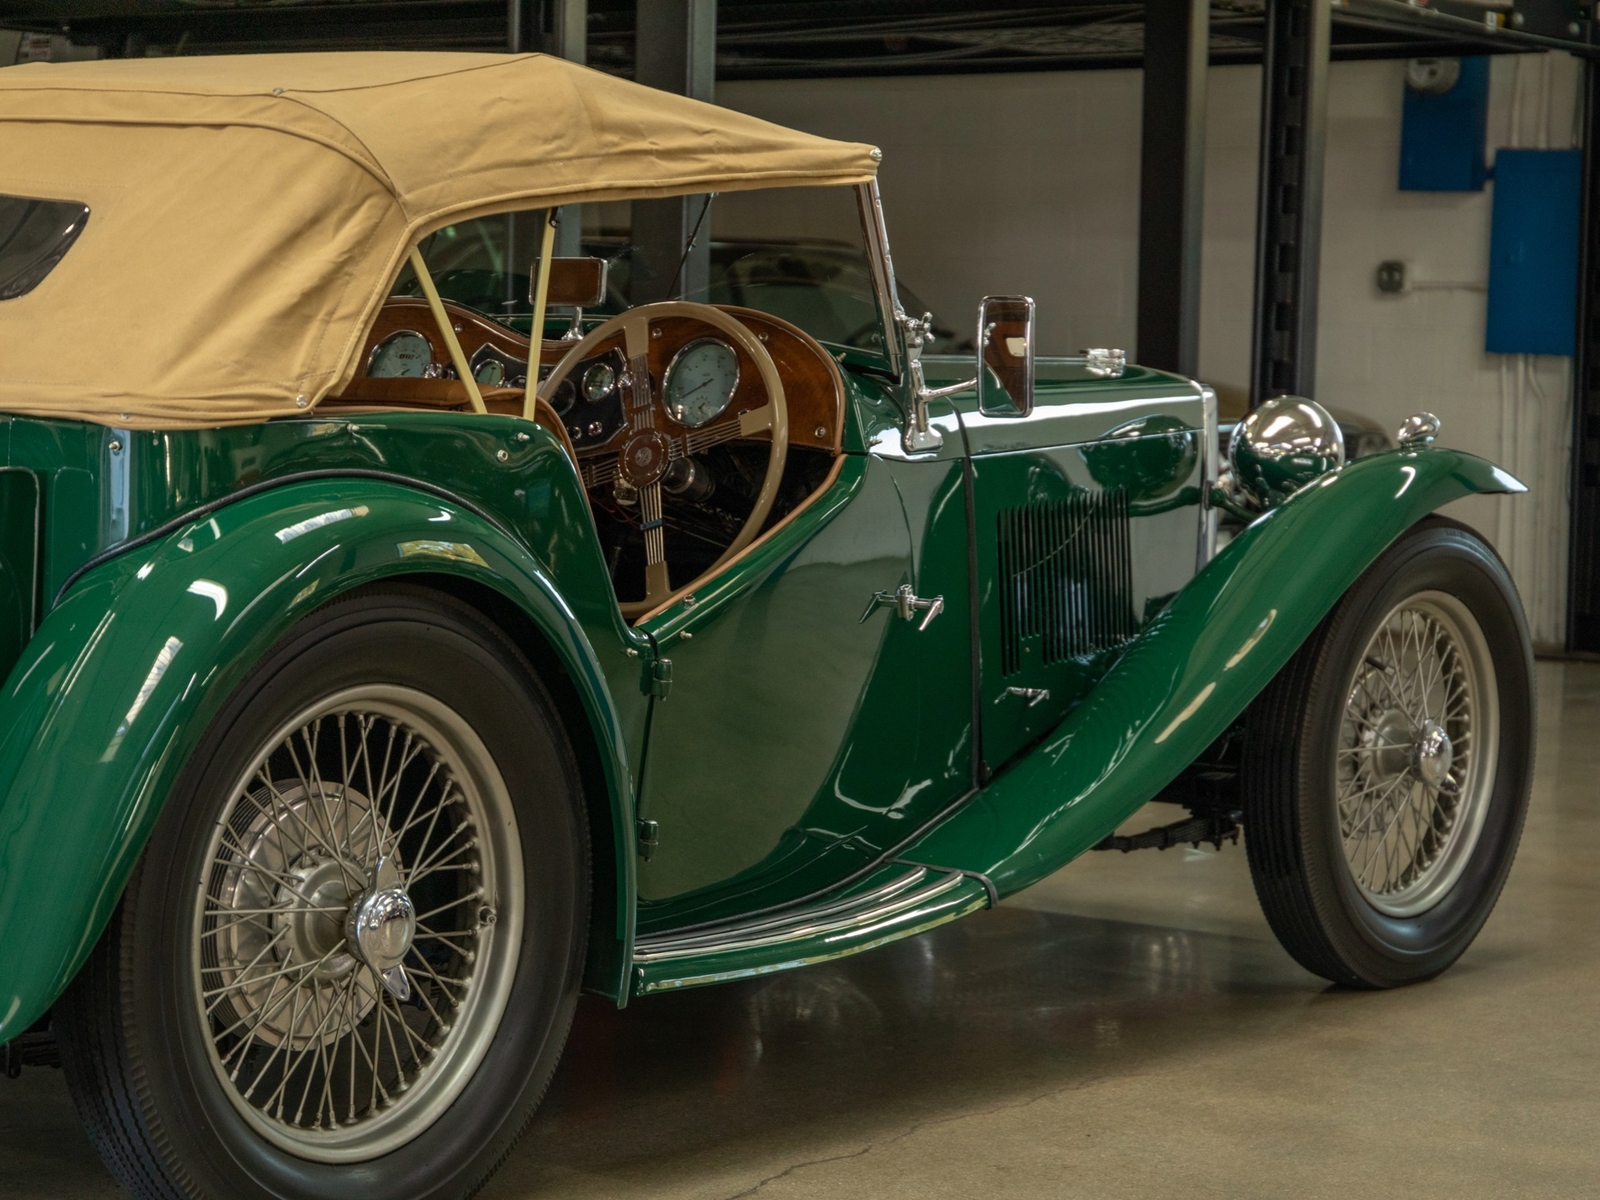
[1066, 577]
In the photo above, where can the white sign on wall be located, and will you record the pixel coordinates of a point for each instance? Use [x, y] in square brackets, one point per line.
[35, 47]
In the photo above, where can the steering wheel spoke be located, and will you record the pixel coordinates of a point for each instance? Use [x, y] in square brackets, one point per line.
[757, 420]
[657, 582]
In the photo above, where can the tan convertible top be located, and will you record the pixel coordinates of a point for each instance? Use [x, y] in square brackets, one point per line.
[249, 214]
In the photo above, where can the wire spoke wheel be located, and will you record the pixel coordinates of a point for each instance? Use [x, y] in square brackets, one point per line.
[357, 925]
[1415, 765]
[1388, 764]
[347, 960]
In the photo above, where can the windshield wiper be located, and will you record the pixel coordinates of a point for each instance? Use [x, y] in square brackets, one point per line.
[689, 245]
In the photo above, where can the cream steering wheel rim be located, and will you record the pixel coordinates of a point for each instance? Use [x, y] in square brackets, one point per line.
[773, 418]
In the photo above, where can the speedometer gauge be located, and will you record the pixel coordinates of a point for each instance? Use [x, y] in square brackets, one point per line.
[403, 355]
[700, 382]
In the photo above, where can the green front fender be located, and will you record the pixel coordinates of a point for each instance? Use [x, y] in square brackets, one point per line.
[1195, 668]
[123, 676]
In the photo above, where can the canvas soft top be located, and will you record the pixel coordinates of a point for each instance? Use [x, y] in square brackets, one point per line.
[248, 215]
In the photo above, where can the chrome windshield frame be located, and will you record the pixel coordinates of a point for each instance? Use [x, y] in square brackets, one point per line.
[876, 232]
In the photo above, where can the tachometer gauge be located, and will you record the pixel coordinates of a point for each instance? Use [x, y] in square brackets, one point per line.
[700, 382]
[403, 355]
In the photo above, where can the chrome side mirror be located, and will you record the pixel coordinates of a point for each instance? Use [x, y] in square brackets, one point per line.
[1005, 356]
[1005, 367]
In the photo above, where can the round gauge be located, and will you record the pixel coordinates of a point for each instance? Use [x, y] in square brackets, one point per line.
[403, 355]
[491, 371]
[700, 382]
[599, 381]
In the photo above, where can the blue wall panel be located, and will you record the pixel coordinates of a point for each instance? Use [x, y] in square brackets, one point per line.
[1533, 252]
[1443, 138]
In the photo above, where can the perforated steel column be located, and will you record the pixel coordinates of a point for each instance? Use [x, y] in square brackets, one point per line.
[1583, 564]
[1294, 104]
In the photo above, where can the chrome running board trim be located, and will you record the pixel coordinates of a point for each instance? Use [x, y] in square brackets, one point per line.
[908, 904]
[732, 938]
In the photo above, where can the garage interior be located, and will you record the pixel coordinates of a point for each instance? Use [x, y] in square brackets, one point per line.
[1216, 188]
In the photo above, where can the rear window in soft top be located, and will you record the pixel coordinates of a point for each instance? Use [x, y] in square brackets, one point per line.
[34, 236]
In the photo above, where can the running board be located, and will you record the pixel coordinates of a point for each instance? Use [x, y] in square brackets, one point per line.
[907, 904]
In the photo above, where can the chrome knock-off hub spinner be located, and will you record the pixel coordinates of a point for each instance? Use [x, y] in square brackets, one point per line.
[382, 926]
[1434, 755]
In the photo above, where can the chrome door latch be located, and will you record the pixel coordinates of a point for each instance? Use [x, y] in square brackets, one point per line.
[906, 604]
[1033, 696]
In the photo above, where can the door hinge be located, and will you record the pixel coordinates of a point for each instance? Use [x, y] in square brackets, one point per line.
[649, 838]
[658, 677]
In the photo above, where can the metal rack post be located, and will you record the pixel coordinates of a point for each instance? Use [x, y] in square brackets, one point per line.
[1294, 110]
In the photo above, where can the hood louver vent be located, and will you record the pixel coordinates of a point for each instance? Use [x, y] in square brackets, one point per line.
[1066, 579]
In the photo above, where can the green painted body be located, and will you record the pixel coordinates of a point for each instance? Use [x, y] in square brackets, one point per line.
[1196, 666]
[19, 562]
[781, 696]
[803, 747]
[124, 673]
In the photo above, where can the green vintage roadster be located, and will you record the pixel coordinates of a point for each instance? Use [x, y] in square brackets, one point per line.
[395, 649]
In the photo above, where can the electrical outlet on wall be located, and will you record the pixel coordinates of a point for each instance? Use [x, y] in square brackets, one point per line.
[1394, 276]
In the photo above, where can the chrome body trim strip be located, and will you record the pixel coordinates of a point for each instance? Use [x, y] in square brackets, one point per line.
[900, 895]
[1211, 470]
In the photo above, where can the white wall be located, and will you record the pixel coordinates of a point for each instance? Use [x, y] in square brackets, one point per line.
[995, 184]
[1029, 183]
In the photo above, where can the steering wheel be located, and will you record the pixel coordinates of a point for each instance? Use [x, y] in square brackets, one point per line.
[655, 440]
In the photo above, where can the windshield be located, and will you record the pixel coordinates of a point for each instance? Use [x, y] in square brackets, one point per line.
[796, 253]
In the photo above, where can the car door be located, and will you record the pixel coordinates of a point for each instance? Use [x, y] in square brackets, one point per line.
[809, 728]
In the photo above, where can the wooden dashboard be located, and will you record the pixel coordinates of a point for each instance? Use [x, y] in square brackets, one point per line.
[813, 387]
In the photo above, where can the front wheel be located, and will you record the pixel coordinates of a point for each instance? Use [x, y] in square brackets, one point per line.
[347, 961]
[1387, 767]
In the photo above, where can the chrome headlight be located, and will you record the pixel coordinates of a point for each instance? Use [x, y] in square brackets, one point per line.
[1282, 446]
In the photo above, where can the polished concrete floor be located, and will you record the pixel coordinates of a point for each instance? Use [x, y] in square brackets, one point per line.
[1128, 1028]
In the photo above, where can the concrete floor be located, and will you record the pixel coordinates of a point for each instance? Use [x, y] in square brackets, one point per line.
[1127, 1028]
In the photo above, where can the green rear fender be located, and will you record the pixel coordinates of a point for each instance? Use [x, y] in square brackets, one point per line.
[1196, 667]
[122, 677]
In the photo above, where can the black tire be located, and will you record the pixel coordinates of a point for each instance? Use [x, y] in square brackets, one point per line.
[140, 1061]
[1331, 923]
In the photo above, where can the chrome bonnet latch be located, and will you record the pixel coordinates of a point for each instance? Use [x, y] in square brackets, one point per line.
[906, 604]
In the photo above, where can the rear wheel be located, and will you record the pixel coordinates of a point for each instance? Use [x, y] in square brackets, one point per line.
[1387, 766]
[348, 959]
